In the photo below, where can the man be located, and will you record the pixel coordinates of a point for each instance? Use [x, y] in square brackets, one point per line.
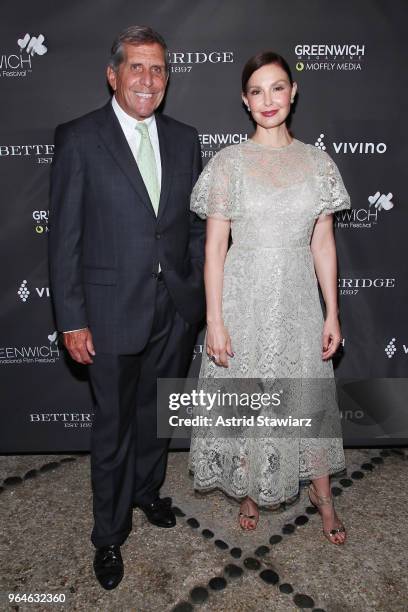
[126, 261]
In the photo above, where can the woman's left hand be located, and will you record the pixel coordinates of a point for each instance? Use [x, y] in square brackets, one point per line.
[331, 338]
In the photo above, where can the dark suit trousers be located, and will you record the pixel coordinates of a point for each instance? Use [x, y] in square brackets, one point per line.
[128, 461]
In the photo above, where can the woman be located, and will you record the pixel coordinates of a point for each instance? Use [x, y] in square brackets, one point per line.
[264, 319]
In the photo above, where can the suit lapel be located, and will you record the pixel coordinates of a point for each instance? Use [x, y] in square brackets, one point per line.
[116, 143]
[166, 163]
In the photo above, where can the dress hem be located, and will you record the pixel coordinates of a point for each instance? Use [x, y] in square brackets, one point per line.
[276, 505]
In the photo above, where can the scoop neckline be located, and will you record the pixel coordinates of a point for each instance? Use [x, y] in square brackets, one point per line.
[269, 148]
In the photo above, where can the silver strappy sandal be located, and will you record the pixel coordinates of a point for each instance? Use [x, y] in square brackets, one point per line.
[252, 517]
[323, 500]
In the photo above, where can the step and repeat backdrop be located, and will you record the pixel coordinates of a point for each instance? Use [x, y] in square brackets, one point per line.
[349, 63]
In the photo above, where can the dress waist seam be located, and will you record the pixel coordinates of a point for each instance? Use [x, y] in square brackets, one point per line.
[261, 248]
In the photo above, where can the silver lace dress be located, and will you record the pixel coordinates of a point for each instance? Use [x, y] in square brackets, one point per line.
[271, 308]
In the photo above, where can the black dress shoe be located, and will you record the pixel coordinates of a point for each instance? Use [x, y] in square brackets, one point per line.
[167, 501]
[159, 512]
[108, 566]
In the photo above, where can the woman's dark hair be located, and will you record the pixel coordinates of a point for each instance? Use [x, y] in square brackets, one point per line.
[262, 59]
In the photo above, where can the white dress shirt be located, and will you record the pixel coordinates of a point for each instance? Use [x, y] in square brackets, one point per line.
[128, 125]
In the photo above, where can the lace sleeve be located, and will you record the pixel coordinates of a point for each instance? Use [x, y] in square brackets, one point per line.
[333, 194]
[214, 194]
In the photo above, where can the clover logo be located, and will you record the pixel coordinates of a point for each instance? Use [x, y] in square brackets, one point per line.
[32, 44]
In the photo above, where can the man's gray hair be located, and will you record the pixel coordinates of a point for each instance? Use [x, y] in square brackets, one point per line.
[135, 35]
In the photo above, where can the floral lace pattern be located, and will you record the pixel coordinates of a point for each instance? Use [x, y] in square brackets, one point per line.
[271, 308]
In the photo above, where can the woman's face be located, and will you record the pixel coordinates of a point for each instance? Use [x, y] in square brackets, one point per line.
[268, 95]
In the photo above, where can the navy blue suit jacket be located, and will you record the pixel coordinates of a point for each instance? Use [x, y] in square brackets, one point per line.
[105, 241]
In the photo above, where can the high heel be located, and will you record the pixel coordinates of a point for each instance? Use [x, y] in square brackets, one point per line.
[324, 500]
[251, 517]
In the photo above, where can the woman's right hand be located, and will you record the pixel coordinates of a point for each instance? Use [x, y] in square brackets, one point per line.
[219, 344]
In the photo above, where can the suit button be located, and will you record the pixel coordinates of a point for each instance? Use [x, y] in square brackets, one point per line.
[157, 236]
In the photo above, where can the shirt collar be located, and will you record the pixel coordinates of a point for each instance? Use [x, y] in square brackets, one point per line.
[128, 120]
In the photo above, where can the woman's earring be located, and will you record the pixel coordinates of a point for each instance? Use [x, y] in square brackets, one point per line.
[248, 109]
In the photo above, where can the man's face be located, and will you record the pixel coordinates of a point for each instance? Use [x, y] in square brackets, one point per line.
[140, 81]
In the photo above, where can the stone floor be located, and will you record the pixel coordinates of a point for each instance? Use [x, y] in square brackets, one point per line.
[207, 562]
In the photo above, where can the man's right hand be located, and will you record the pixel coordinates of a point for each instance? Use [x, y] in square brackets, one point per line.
[80, 346]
